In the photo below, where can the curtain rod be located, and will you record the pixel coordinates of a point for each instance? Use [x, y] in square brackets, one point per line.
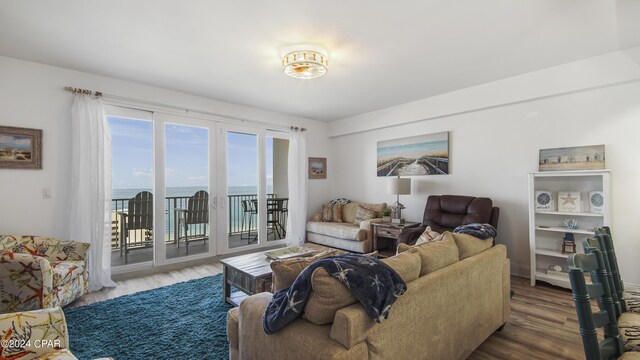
[152, 105]
[82, 91]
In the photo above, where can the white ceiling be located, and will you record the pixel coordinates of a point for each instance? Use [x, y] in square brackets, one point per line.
[382, 53]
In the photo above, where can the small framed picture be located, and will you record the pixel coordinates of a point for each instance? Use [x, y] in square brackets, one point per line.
[569, 201]
[20, 148]
[317, 168]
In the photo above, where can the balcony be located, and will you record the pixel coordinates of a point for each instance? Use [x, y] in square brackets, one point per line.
[239, 234]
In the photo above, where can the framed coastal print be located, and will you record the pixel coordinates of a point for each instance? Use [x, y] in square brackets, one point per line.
[416, 155]
[317, 168]
[569, 201]
[572, 158]
[20, 148]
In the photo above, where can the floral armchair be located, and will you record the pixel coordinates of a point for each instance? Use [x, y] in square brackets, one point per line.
[39, 272]
[39, 334]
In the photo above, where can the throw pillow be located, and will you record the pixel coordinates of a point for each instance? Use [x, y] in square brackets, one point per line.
[286, 271]
[435, 254]
[471, 245]
[363, 214]
[327, 213]
[337, 213]
[628, 323]
[328, 295]
[332, 213]
[349, 210]
[406, 264]
[340, 201]
[428, 235]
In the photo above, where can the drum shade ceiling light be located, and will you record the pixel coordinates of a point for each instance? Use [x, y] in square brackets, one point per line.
[302, 62]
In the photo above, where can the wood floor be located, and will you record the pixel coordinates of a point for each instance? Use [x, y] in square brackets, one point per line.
[543, 322]
[543, 325]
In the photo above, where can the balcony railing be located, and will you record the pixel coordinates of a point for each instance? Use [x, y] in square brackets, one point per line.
[234, 210]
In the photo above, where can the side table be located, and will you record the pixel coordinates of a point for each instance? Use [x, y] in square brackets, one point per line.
[386, 233]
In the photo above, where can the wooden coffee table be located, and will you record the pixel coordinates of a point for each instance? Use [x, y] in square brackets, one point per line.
[250, 273]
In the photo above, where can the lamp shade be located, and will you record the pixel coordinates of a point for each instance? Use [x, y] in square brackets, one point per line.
[398, 186]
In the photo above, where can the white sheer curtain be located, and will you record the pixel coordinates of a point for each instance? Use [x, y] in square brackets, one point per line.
[297, 218]
[90, 217]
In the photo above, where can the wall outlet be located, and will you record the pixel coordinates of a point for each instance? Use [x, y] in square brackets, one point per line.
[46, 193]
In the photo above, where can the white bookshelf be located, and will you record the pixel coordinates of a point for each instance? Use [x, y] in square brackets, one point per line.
[545, 227]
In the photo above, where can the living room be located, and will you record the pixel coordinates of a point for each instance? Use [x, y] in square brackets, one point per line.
[503, 80]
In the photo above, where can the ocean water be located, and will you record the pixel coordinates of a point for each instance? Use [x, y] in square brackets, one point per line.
[186, 191]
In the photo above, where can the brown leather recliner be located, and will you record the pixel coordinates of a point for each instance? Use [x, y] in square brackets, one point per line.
[446, 212]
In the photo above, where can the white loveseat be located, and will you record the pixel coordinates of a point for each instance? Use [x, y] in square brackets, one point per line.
[346, 235]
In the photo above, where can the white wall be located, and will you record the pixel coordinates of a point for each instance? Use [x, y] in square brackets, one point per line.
[494, 142]
[281, 167]
[32, 95]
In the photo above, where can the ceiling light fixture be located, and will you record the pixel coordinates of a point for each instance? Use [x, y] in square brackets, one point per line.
[305, 62]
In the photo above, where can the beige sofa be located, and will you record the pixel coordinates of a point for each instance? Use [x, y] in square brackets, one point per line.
[345, 235]
[446, 313]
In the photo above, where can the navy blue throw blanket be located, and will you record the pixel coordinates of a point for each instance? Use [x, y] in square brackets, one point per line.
[374, 283]
[481, 231]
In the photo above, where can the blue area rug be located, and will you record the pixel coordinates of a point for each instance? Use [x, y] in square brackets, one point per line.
[182, 321]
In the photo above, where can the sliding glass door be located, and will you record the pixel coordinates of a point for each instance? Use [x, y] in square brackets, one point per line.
[132, 241]
[251, 213]
[186, 202]
[277, 177]
[186, 188]
[240, 187]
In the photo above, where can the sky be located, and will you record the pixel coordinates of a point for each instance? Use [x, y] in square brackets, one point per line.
[15, 142]
[187, 151]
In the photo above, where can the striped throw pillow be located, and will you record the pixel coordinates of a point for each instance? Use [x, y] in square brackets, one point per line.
[363, 213]
[332, 213]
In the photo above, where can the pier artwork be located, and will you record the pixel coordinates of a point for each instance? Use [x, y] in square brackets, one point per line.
[427, 165]
[417, 155]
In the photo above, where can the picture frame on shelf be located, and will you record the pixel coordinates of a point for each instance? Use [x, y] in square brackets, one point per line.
[569, 201]
[20, 148]
[596, 202]
[544, 201]
[591, 157]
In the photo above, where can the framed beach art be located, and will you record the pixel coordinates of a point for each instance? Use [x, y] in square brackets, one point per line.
[20, 148]
[572, 158]
[415, 155]
[317, 168]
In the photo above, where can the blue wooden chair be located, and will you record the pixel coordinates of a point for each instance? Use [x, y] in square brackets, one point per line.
[611, 347]
[630, 299]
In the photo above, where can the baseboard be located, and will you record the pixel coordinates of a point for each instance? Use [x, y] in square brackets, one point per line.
[633, 287]
[520, 270]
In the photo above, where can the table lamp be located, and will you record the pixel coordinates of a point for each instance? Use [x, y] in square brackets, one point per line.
[398, 186]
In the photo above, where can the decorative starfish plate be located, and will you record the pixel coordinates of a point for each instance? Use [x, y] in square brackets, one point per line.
[289, 252]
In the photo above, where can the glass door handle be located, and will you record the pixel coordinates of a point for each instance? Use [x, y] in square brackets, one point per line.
[214, 204]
